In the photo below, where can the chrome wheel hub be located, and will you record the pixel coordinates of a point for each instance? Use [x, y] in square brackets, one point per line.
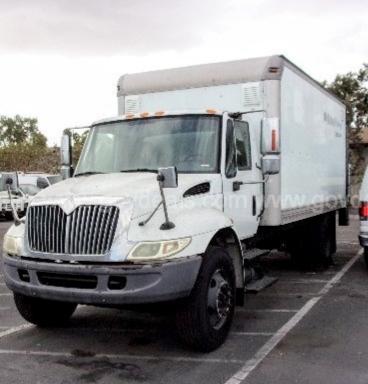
[219, 300]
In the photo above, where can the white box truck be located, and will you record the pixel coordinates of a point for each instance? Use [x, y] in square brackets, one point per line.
[203, 169]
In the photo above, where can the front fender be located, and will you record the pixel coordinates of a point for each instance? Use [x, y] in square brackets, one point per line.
[201, 224]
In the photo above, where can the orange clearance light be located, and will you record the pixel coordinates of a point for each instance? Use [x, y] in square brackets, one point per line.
[211, 111]
[159, 113]
[144, 114]
[129, 116]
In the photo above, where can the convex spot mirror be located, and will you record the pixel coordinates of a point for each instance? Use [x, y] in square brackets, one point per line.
[168, 177]
[270, 164]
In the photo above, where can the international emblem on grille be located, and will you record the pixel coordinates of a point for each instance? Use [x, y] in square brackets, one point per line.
[88, 230]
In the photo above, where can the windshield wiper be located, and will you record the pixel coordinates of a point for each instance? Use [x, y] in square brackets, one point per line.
[88, 173]
[139, 170]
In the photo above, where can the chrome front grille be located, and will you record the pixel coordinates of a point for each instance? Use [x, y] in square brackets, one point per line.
[88, 230]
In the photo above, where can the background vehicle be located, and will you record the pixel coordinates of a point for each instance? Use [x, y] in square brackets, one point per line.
[20, 200]
[29, 189]
[41, 180]
[363, 215]
[205, 169]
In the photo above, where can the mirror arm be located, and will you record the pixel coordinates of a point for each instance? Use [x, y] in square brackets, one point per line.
[167, 224]
[143, 223]
[17, 220]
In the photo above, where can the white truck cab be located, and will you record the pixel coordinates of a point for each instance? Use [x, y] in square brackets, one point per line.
[204, 169]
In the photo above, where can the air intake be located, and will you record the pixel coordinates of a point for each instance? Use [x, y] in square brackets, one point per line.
[197, 190]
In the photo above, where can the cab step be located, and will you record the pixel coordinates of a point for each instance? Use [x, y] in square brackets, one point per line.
[255, 253]
[258, 285]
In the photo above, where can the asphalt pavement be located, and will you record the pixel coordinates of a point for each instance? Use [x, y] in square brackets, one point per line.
[309, 327]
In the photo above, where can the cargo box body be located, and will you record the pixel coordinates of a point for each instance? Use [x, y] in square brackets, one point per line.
[312, 129]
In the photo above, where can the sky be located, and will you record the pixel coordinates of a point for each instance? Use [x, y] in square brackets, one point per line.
[60, 60]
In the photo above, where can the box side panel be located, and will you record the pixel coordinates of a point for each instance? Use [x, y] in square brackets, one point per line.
[313, 151]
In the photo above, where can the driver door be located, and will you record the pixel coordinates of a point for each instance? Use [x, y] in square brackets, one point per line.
[243, 190]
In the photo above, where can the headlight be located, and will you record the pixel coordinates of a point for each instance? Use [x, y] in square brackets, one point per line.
[158, 250]
[12, 245]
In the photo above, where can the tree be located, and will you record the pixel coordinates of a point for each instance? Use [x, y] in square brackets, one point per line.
[24, 148]
[352, 89]
[19, 130]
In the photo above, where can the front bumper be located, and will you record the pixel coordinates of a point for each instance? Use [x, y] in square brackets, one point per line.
[75, 283]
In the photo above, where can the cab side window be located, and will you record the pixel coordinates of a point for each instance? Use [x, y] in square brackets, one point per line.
[243, 153]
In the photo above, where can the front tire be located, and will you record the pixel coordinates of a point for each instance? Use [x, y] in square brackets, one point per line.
[44, 313]
[204, 319]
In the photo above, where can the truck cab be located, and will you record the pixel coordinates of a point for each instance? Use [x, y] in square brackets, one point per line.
[107, 243]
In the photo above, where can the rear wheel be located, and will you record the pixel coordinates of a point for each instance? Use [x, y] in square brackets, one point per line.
[44, 313]
[365, 255]
[9, 216]
[313, 243]
[204, 319]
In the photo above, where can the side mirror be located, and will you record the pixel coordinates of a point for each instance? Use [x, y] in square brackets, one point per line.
[270, 164]
[9, 180]
[168, 177]
[270, 138]
[66, 150]
[66, 156]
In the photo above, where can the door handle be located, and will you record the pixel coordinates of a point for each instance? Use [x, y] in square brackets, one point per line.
[236, 185]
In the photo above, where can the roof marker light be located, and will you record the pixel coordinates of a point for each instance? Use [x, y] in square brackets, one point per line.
[159, 113]
[211, 111]
[129, 116]
[144, 114]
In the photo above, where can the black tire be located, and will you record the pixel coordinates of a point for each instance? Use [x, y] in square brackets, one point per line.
[312, 244]
[9, 216]
[365, 255]
[200, 325]
[44, 313]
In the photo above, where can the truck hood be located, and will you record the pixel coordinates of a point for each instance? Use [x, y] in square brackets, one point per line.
[139, 191]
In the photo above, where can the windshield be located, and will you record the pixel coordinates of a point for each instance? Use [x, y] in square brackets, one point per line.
[191, 143]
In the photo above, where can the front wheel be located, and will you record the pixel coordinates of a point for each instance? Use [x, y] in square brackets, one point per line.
[44, 313]
[204, 319]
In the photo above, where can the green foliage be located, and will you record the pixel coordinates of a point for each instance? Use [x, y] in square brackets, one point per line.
[24, 148]
[19, 130]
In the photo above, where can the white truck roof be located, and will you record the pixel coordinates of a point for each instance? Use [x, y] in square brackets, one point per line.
[214, 74]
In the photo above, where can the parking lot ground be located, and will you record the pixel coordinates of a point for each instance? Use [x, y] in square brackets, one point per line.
[310, 326]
